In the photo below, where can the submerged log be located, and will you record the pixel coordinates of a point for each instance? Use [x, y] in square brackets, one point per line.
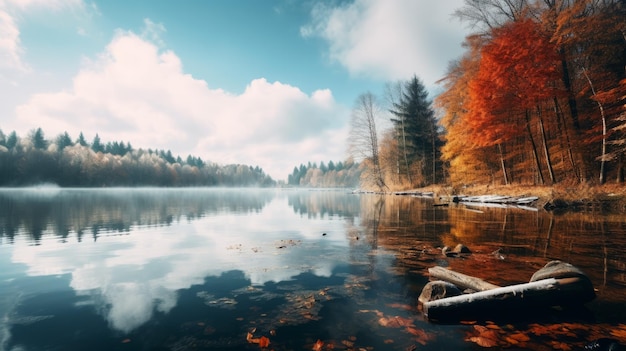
[460, 280]
[556, 284]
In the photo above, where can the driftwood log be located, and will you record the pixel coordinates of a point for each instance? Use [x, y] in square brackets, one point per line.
[461, 280]
[557, 284]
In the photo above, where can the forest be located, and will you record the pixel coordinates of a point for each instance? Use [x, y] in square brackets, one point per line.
[332, 175]
[34, 160]
[538, 97]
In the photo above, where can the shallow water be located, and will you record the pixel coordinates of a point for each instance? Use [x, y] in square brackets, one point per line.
[198, 269]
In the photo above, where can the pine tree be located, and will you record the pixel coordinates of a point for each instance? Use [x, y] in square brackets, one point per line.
[81, 140]
[63, 141]
[416, 129]
[38, 139]
[96, 145]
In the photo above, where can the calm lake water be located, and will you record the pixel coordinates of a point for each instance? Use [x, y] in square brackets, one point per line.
[198, 269]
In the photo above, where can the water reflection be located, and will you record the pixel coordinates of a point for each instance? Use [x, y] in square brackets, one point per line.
[62, 212]
[198, 268]
[172, 240]
[593, 241]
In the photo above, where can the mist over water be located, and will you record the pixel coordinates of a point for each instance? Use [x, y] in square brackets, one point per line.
[170, 268]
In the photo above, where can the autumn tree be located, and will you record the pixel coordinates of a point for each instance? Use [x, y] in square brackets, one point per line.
[593, 35]
[363, 138]
[466, 161]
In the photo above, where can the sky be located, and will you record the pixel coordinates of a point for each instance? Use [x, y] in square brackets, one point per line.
[268, 83]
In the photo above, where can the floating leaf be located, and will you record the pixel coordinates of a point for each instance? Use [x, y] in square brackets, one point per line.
[264, 342]
[519, 337]
[557, 345]
[484, 342]
[319, 344]
[619, 332]
[347, 343]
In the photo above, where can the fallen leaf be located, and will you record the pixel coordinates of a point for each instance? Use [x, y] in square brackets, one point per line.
[620, 332]
[519, 337]
[484, 342]
[347, 343]
[319, 344]
[264, 342]
[560, 346]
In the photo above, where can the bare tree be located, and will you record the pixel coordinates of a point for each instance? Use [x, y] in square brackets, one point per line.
[363, 138]
[489, 14]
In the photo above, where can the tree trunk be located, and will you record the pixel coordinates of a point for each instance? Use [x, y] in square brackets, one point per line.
[506, 178]
[546, 152]
[534, 148]
[603, 153]
[563, 127]
[486, 304]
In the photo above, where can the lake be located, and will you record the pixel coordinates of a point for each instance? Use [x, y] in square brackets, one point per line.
[231, 269]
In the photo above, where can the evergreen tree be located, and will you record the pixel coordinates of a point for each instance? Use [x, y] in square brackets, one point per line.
[331, 165]
[81, 140]
[63, 141]
[12, 140]
[416, 129]
[38, 139]
[96, 145]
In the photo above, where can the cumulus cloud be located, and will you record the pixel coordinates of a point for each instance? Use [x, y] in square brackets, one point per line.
[135, 91]
[389, 40]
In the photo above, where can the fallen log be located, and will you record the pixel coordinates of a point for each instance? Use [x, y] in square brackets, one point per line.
[459, 279]
[479, 305]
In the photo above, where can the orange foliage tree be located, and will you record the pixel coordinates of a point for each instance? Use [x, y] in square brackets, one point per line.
[518, 75]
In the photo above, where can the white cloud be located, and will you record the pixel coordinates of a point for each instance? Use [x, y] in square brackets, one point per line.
[390, 40]
[10, 48]
[136, 92]
[12, 63]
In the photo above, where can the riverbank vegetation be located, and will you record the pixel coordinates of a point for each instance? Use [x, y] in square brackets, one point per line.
[537, 99]
[35, 160]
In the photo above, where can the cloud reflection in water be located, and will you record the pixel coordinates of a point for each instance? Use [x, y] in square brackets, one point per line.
[129, 277]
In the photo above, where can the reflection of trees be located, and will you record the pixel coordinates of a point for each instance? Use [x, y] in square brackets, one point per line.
[114, 210]
[324, 203]
[592, 241]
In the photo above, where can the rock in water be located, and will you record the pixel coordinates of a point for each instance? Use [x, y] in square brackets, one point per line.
[462, 249]
[436, 290]
[579, 292]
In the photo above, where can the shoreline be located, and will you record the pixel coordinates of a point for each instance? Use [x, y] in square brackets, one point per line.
[580, 197]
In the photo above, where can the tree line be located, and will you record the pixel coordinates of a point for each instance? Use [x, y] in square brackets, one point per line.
[35, 160]
[331, 175]
[538, 97]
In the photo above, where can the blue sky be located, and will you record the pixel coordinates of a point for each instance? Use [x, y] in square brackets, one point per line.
[268, 83]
